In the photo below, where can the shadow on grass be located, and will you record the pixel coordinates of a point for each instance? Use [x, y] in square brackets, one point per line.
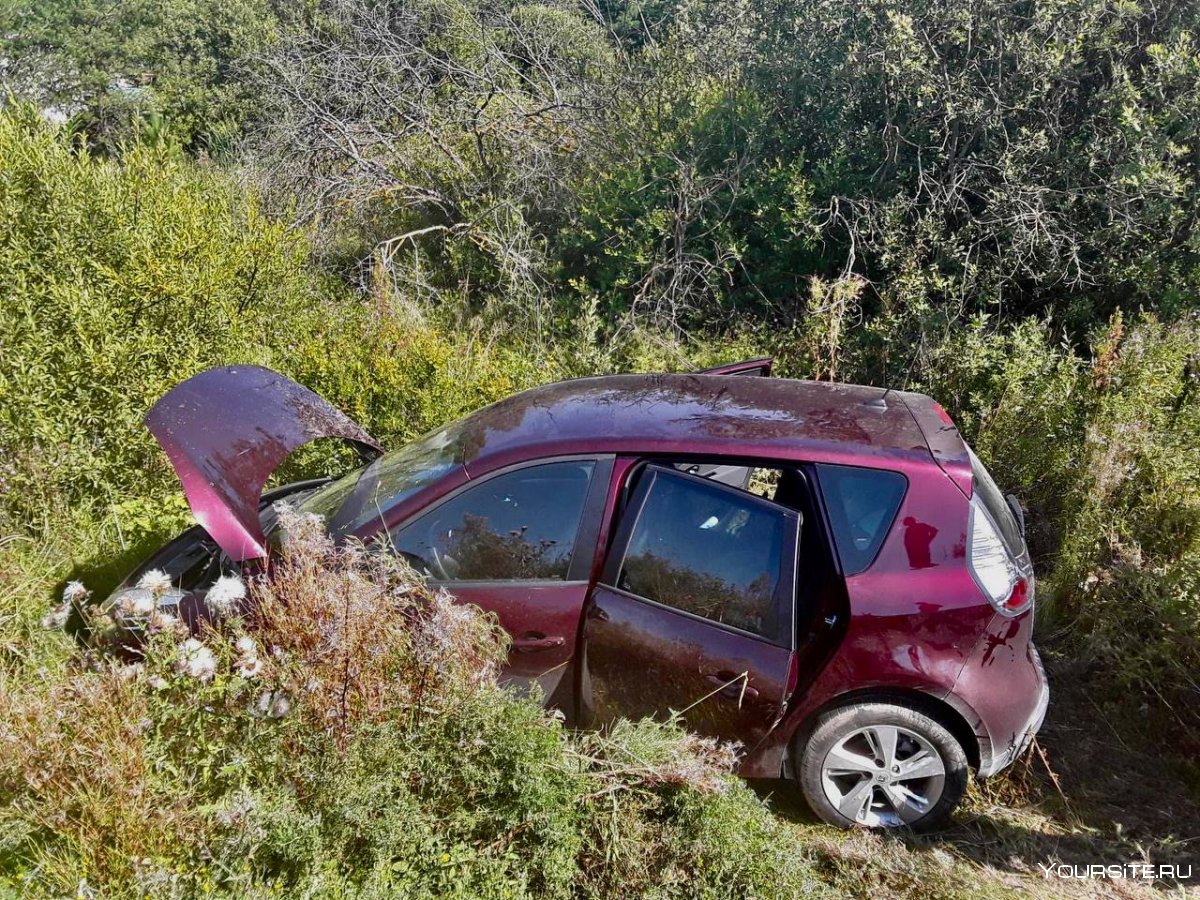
[102, 572]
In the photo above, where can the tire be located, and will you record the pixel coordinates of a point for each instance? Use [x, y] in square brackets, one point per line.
[854, 773]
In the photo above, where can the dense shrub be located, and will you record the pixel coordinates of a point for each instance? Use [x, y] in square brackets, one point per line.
[118, 280]
[987, 156]
[143, 69]
[122, 278]
[347, 737]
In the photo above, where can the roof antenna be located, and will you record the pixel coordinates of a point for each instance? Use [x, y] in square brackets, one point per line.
[879, 402]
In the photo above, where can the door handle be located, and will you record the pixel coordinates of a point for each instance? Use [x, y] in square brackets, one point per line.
[533, 642]
[734, 686]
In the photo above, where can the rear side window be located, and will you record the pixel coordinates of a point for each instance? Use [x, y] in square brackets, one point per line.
[993, 501]
[709, 551]
[862, 504]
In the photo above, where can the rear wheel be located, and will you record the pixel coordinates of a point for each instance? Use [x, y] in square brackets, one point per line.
[882, 765]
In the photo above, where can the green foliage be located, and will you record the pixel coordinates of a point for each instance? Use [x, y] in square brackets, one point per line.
[130, 69]
[986, 156]
[1129, 564]
[121, 279]
[992, 203]
[397, 766]
[118, 281]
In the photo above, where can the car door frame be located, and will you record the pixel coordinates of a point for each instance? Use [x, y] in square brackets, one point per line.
[579, 572]
[621, 521]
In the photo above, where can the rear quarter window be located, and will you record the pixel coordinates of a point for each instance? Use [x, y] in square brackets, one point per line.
[862, 505]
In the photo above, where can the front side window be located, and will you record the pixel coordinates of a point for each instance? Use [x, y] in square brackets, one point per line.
[862, 504]
[710, 551]
[518, 526]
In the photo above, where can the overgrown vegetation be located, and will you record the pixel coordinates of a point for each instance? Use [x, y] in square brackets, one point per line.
[319, 748]
[417, 207]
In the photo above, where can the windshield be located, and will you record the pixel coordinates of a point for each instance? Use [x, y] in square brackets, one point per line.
[350, 502]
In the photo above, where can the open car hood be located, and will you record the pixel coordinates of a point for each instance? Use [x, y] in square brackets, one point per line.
[226, 430]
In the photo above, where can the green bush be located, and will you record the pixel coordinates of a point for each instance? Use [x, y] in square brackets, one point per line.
[349, 738]
[151, 70]
[123, 278]
[119, 280]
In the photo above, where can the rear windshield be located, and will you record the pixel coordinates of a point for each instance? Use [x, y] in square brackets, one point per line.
[993, 501]
[862, 504]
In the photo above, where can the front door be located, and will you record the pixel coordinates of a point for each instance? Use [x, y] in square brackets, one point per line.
[694, 612]
[519, 543]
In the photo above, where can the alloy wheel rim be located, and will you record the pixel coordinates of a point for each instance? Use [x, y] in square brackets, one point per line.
[883, 776]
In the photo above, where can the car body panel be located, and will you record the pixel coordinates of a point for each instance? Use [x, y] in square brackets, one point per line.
[543, 619]
[682, 415]
[1004, 656]
[227, 430]
[945, 443]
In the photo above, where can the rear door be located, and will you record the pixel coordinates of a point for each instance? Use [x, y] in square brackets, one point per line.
[694, 611]
[519, 543]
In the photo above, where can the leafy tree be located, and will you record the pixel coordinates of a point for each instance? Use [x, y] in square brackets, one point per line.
[116, 65]
[986, 156]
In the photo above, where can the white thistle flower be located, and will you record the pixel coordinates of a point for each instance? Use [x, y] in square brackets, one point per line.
[57, 617]
[156, 581]
[74, 592]
[158, 682]
[246, 647]
[163, 621]
[130, 671]
[196, 660]
[224, 596]
[274, 704]
[249, 667]
[138, 602]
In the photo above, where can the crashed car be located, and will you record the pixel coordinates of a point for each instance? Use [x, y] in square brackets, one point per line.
[824, 573]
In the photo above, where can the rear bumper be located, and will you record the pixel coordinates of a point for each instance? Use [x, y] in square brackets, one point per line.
[1003, 756]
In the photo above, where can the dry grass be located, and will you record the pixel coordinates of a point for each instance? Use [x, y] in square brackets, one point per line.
[353, 636]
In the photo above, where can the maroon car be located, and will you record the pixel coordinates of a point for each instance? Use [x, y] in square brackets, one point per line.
[824, 573]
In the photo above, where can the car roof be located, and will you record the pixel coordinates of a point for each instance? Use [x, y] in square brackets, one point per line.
[730, 415]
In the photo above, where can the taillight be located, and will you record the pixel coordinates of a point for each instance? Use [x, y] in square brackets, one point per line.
[997, 575]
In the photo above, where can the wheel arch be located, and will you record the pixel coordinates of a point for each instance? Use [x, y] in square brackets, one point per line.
[942, 710]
